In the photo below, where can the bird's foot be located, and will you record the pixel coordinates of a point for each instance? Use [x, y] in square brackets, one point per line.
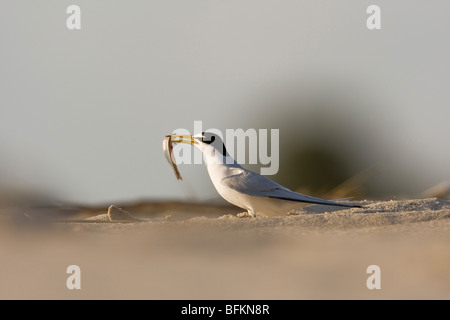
[244, 215]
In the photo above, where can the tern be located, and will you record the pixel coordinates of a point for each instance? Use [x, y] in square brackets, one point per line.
[244, 188]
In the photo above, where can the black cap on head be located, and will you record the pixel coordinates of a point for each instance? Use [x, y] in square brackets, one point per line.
[214, 140]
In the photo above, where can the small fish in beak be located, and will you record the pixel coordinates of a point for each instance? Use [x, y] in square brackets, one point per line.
[168, 152]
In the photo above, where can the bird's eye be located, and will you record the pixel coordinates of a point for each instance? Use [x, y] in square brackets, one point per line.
[208, 141]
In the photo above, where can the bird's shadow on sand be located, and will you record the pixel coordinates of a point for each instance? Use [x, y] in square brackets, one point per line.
[317, 209]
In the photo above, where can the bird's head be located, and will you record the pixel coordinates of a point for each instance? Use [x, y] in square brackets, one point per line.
[210, 144]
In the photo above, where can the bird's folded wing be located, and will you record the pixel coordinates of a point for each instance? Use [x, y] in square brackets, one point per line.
[253, 184]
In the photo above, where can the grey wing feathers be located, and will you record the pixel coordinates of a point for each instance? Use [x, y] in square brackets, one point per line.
[253, 184]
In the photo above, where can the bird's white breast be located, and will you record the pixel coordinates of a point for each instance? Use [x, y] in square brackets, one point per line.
[217, 172]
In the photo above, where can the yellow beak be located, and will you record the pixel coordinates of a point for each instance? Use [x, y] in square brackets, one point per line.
[183, 138]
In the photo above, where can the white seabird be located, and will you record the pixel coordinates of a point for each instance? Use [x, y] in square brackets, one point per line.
[246, 189]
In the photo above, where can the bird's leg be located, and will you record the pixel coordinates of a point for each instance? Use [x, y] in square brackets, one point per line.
[248, 214]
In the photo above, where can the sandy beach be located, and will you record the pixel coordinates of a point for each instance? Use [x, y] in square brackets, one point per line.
[175, 250]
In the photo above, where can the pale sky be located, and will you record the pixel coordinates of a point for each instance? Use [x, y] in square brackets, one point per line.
[83, 112]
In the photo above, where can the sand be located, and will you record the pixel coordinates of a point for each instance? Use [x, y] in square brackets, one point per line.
[171, 250]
